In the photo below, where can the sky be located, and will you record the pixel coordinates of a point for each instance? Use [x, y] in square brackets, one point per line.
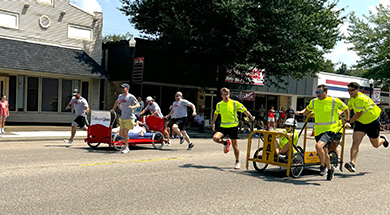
[115, 22]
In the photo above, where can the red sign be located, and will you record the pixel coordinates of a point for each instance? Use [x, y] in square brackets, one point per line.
[255, 75]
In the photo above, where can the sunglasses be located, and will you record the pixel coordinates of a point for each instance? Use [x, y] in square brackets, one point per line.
[177, 96]
[319, 92]
[351, 90]
[288, 126]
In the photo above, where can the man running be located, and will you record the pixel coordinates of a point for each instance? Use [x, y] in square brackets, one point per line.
[228, 109]
[366, 121]
[128, 104]
[179, 118]
[327, 124]
[155, 110]
[81, 108]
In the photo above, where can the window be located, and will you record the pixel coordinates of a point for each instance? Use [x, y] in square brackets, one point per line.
[21, 79]
[49, 2]
[66, 94]
[79, 32]
[12, 93]
[49, 94]
[85, 89]
[32, 93]
[9, 20]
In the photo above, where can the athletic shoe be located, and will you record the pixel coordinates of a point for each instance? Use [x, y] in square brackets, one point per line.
[181, 140]
[386, 143]
[350, 167]
[68, 141]
[330, 174]
[168, 143]
[190, 146]
[237, 165]
[227, 146]
[125, 151]
[322, 170]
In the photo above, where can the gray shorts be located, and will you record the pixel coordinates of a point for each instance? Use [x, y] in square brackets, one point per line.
[328, 137]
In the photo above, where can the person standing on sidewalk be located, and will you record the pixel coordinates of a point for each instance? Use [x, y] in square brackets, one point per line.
[138, 111]
[179, 118]
[228, 109]
[4, 112]
[81, 108]
[366, 121]
[128, 104]
[271, 118]
[327, 124]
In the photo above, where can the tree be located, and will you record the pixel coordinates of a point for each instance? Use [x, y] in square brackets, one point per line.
[343, 69]
[371, 39]
[116, 37]
[284, 37]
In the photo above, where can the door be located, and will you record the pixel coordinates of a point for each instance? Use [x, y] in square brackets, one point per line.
[210, 103]
[2, 86]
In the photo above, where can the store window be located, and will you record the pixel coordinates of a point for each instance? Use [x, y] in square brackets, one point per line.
[79, 32]
[9, 20]
[49, 94]
[12, 93]
[21, 81]
[85, 90]
[32, 93]
[66, 94]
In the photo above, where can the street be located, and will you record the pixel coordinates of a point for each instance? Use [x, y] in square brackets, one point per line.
[49, 177]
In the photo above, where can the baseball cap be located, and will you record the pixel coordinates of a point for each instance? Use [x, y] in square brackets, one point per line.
[179, 94]
[124, 85]
[149, 98]
[75, 92]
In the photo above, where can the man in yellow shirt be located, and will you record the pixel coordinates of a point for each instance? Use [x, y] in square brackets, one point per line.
[228, 109]
[327, 124]
[366, 121]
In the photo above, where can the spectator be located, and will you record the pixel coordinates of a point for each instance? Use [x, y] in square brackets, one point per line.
[199, 121]
[137, 111]
[4, 112]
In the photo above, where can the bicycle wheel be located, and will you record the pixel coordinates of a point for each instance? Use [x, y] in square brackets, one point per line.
[259, 167]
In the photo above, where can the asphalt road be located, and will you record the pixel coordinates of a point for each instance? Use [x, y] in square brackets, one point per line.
[48, 177]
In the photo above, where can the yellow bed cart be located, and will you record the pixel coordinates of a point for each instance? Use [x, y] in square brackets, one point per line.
[295, 161]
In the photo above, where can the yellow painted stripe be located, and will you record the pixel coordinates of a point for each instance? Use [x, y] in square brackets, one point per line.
[136, 161]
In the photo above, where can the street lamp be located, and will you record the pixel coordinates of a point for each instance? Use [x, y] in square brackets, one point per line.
[371, 82]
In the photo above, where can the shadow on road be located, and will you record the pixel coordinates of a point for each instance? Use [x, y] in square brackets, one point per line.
[109, 150]
[205, 167]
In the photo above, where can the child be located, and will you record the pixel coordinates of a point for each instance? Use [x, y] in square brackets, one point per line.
[284, 145]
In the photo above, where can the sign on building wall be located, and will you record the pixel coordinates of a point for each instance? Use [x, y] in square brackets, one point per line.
[255, 75]
[376, 95]
[138, 69]
[239, 95]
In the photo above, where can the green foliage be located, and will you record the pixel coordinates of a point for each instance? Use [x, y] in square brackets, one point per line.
[371, 39]
[284, 37]
[343, 69]
[116, 37]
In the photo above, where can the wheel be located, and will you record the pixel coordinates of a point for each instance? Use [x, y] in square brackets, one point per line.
[93, 145]
[259, 167]
[159, 140]
[300, 150]
[117, 146]
[297, 165]
[334, 159]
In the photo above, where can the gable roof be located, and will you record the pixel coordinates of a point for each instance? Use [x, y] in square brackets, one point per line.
[29, 56]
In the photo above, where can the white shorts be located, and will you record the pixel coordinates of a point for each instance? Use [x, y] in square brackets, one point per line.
[271, 119]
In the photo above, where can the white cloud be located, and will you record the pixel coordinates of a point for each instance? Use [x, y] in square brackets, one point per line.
[88, 5]
[341, 54]
[385, 3]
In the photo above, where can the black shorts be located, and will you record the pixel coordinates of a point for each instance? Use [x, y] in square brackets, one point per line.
[80, 121]
[328, 137]
[371, 129]
[231, 132]
[180, 122]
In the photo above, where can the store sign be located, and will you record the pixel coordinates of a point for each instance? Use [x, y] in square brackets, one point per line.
[239, 95]
[255, 75]
[376, 95]
[101, 117]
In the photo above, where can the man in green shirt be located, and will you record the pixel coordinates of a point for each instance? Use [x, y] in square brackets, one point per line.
[228, 109]
[366, 121]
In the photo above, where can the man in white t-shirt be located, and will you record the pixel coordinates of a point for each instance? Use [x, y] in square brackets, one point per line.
[137, 111]
[81, 108]
[128, 104]
[179, 118]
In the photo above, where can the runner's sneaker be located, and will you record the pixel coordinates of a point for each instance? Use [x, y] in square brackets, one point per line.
[237, 165]
[190, 146]
[350, 167]
[227, 146]
[322, 170]
[68, 141]
[181, 140]
[125, 151]
[169, 143]
[386, 143]
[330, 174]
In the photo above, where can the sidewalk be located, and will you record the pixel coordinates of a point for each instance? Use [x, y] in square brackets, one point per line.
[47, 133]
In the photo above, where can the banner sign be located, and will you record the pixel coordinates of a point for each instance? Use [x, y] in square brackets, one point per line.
[376, 95]
[101, 117]
[255, 75]
[239, 95]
